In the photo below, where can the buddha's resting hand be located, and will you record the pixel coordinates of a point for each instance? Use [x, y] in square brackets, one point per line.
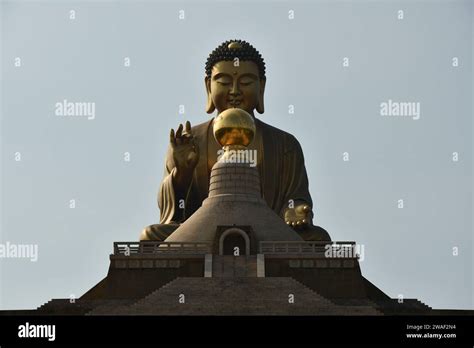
[299, 216]
[185, 155]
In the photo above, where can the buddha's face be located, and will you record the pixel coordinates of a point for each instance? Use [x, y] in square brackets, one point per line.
[233, 86]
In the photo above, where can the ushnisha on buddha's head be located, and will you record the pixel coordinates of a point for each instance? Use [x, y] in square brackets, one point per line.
[235, 78]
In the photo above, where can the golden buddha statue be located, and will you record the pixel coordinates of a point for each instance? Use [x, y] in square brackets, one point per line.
[235, 78]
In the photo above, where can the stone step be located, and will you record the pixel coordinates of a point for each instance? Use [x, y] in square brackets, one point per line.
[234, 296]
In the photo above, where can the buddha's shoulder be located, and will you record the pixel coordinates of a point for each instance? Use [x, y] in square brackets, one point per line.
[268, 130]
[200, 130]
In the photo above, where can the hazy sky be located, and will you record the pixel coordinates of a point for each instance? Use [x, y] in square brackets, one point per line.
[47, 58]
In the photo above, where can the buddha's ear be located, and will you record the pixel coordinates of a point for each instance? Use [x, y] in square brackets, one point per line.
[260, 106]
[210, 105]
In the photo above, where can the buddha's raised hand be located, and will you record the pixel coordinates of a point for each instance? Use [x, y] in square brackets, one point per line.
[299, 216]
[185, 154]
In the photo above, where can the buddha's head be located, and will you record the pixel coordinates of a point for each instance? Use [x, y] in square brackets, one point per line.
[235, 78]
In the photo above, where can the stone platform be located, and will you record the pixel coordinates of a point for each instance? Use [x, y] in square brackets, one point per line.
[234, 296]
[284, 278]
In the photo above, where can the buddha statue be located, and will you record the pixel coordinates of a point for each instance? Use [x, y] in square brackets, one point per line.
[234, 215]
[235, 78]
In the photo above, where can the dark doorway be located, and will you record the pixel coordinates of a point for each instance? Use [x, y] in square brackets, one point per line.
[232, 242]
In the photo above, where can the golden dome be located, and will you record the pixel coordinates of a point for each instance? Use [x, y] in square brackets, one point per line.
[234, 127]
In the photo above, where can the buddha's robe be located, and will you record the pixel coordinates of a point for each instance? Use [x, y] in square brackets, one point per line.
[280, 163]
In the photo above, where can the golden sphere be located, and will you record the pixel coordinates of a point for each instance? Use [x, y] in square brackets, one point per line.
[234, 127]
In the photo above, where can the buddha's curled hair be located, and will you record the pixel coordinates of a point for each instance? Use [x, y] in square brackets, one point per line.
[231, 49]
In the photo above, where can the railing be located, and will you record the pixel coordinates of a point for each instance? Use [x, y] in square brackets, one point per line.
[150, 247]
[296, 247]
